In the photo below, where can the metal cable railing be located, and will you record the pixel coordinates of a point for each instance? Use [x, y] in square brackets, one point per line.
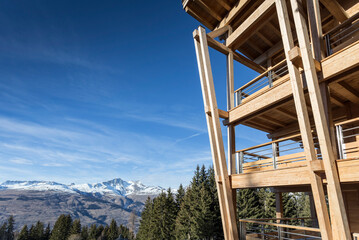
[347, 138]
[264, 80]
[264, 229]
[342, 35]
[281, 153]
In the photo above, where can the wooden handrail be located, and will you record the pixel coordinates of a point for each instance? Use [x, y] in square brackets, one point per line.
[269, 143]
[260, 76]
[267, 219]
[347, 121]
[344, 24]
[282, 225]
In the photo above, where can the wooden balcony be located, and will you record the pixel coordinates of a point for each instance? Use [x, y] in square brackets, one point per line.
[275, 102]
[283, 163]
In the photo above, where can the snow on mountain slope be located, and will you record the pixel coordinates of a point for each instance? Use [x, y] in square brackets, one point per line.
[113, 187]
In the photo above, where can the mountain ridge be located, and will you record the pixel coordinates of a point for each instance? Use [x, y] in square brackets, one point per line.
[116, 187]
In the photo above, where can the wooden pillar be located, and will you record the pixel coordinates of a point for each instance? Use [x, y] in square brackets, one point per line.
[317, 43]
[230, 105]
[215, 135]
[278, 206]
[303, 120]
[336, 202]
[231, 133]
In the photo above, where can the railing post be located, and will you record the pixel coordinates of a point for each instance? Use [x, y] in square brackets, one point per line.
[238, 97]
[270, 79]
[241, 160]
[274, 154]
[262, 232]
[327, 42]
[340, 141]
[279, 229]
[242, 231]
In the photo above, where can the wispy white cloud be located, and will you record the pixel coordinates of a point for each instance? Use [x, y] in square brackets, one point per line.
[21, 161]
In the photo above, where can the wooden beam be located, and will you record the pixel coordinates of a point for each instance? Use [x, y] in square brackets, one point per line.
[264, 39]
[224, 4]
[271, 120]
[236, 56]
[296, 58]
[209, 10]
[336, 101]
[219, 32]
[238, 35]
[287, 113]
[303, 120]
[270, 52]
[200, 19]
[336, 202]
[216, 139]
[335, 9]
[350, 92]
[233, 13]
[222, 114]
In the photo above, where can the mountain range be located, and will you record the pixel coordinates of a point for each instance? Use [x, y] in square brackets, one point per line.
[99, 203]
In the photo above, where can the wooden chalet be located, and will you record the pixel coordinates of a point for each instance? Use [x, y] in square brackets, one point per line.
[306, 97]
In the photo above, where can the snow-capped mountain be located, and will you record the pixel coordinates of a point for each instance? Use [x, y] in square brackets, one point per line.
[113, 187]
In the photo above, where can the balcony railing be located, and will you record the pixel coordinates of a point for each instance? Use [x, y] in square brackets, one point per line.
[342, 35]
[348, 138]
[281, 153]
[269, 230]
[263, 81]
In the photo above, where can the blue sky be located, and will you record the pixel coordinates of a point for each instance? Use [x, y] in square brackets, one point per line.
[94, 90]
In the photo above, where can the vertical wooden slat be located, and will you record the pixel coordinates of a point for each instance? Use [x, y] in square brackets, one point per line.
[210, 132]
[303, 120]
[336, 203]
[216, 139]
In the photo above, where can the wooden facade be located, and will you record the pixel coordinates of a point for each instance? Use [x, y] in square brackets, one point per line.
[305, 97]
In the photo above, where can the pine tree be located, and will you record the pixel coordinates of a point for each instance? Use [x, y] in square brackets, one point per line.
[3, 231]
[183, 220]
[93, 232]
[76, 227]
[38, 231]
[248, 204]
[62, 228]
[84, 233]
[113, 230]
[179, 196]
[267, 203]
[24, 233]
[145, 222]
[289, 206]
[217, 221]
[47, 232]
[10, 228]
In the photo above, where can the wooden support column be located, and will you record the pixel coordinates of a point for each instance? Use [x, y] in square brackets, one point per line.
[336, 203]
[303, 120]
[231, 133]
[316, 37]
[230, 105]
[215, 135]
[278, 206]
